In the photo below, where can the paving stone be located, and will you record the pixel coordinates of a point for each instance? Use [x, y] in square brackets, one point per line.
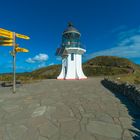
[10, 108]
[84, 136]
[83, 123]
[32, 134]
[42, 138]
[14, 132]
[112, 112]
[36, 121]
[48, 101]
[75, 112]
[81, 109]
[2, 114]
[100, 116]
[69, 128]
[1, 100]
[100, 137]
[55, 137]
[127, 135]
[63, 137]
[48, 129]
[127, 138]
[124, 113]
[2, 133]
[17, 116]
[126, 122]
[105, 129]
[62, 113]
[116, 121]
[89, 106]
[39, 111]
[33, 106]
[49, 111]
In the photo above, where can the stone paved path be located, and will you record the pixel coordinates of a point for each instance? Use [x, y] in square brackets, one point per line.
[66, 110]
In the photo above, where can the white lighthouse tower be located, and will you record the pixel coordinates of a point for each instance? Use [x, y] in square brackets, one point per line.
[71, 52]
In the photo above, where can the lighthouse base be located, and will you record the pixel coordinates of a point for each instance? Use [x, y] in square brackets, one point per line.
[71, 78]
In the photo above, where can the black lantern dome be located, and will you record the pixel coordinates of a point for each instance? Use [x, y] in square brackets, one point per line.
[71, 28]
[71, 37]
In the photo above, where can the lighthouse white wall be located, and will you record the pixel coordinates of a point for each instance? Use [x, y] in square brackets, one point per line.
[63, 70]
[79, 70]
[72, 68]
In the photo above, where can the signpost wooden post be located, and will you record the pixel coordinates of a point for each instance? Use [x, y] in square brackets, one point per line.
[14, 63]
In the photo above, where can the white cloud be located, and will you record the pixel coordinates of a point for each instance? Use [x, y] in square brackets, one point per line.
[30, 60]
[128, 46]
[38, 58]
[41, 57]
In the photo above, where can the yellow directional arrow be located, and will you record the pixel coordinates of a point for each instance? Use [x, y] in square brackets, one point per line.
[18, 49]
[6, 44]
[6, 41]
[9, 34]
[6, 33]
[22, 36]
[4, 38]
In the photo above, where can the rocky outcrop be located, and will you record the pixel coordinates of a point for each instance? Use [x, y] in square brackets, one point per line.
[131, 91]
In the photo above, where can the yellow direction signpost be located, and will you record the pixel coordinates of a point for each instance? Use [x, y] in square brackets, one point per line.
[18, 49]
[4, 38]
[22, 36]
[8, 38]
[4, 41]
[6, 33]
[6, 44]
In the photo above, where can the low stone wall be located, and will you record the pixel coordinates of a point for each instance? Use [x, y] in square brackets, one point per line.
[131, 91]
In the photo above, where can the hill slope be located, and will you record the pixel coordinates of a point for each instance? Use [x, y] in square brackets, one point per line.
[98, 66]
[101, 65]
[47, 72]
[108, 65]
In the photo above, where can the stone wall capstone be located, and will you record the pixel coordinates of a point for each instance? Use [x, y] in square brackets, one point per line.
[131, 91]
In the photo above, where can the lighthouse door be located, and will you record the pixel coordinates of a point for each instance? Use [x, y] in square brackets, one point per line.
[65, 71]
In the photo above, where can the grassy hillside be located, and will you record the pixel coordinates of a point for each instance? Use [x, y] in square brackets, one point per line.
[108, 65]
[133, 78]
[120, 69]
[47, 72]
[98, 66]
[42, 73]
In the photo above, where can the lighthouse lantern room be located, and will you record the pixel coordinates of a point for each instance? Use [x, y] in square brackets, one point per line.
[71, 53]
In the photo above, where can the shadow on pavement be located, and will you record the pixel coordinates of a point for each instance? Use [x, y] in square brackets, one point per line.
[133, 111]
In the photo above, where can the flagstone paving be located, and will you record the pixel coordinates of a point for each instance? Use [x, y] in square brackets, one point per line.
[66, 110]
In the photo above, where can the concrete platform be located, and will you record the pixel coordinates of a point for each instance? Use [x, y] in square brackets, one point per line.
[66, 110]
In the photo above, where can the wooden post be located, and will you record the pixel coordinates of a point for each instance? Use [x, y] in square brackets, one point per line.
[14, 63]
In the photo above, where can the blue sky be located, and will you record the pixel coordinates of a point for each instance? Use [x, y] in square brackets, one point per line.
[108, 27]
